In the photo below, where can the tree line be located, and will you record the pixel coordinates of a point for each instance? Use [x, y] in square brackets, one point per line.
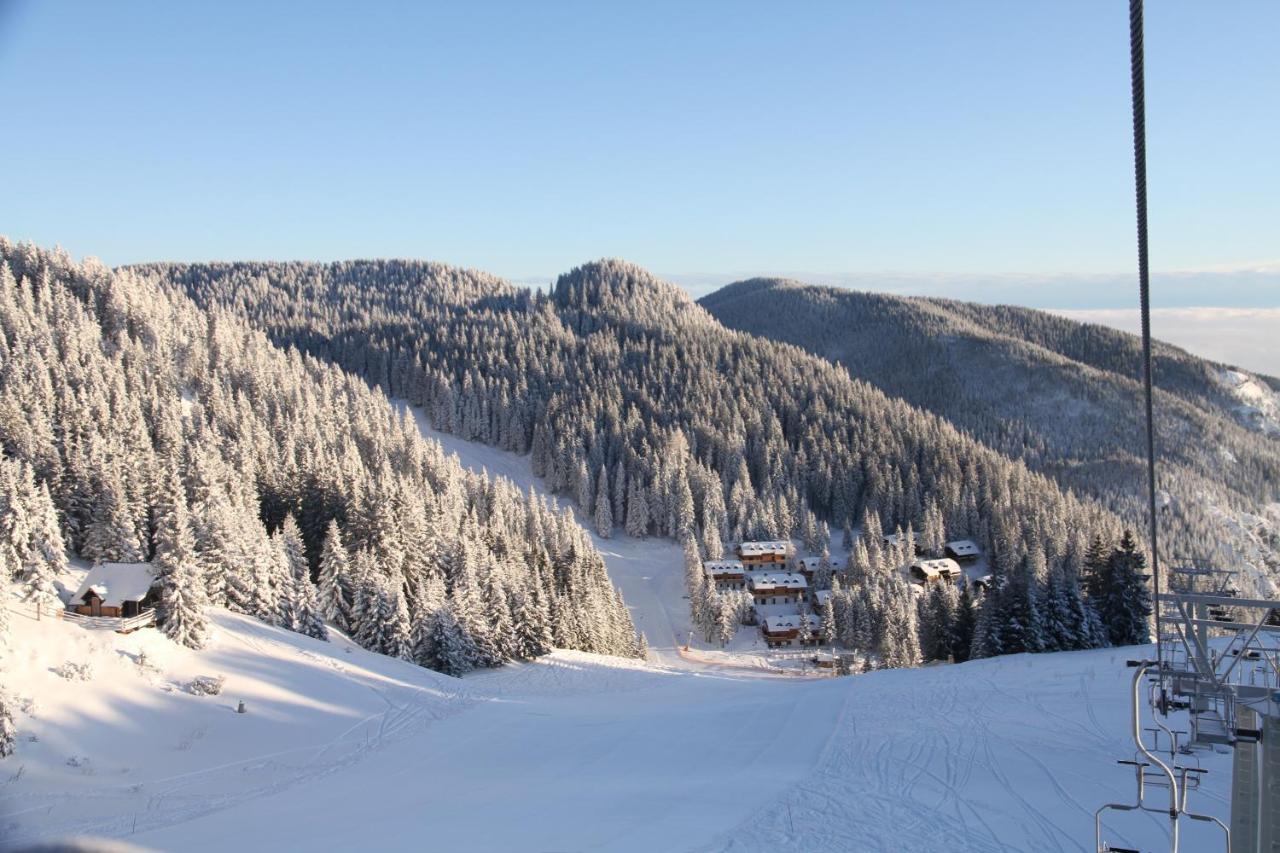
[136, 426]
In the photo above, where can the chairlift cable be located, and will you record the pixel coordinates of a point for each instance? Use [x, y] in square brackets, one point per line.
[1144, 282]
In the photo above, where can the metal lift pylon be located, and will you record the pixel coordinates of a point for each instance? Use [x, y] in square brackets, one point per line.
[1217, 653]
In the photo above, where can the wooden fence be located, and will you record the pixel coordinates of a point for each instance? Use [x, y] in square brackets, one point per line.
[112, 623]
[100, 623]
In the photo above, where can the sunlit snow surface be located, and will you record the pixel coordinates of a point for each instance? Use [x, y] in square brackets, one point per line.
[341, 749]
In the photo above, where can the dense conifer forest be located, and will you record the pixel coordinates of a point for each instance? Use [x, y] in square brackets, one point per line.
[1064, 397]
[136, 426]
[657, 420]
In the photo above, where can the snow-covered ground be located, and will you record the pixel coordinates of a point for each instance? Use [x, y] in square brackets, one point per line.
[1259, 405]
[702, 750]
[342, 749]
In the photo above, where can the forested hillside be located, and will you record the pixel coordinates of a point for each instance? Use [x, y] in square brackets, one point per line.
[137, 426]
[653, 416]
[1062, 396]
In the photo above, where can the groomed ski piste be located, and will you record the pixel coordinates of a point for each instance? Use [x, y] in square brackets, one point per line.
[706, 750]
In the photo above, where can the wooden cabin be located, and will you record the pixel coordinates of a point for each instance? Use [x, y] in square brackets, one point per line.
[778, 588]
[963, 551]
[116, 590]
[932, 571]
[763, 554]
[808, 566]
[726, 574]
[785, 630]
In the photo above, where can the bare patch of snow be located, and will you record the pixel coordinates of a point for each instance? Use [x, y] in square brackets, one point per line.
[1259, 406]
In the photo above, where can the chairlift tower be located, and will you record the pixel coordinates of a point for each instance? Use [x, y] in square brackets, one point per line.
[1219, 664]
[1217, 653]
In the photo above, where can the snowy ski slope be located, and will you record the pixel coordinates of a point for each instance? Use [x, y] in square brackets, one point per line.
[342, 749]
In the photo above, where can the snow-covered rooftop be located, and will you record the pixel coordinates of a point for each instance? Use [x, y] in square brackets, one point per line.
[944, 566]
[964, 548]
[778, 580]
[791, 622]
[760, 549]
[811, 563]
[820, 597]
[723, 567]
[116, 583]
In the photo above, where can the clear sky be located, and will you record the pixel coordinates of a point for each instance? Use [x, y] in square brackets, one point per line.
[963, 139]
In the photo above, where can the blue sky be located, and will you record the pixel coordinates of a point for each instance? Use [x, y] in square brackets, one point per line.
[934, 144]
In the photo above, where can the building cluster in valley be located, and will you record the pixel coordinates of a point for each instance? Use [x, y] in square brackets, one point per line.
[788, 591]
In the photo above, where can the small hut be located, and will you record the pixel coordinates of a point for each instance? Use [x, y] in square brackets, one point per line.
[118, 590]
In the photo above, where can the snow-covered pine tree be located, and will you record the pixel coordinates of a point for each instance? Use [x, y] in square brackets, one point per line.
[1096, 561]
[804, 633]
[532, 626]
[182, 594]
[964, 624]
[31, 546]
[8, 731]
[455, 652]
[987, 628]
[828, 617]
[938, 614]
[1127, 603]
[335, 595]
[637, 509]
[604, 508]
[112, 535]
[399, 642]
[725, 623]
[6, 596]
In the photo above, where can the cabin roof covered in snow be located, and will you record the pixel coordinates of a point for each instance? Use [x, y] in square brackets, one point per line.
[116, 583]
[778, 580]
[964, 547]
[811, 563]
[821, 596]
[758, 549]
[723, 567]
[945, 565]
[790, 622]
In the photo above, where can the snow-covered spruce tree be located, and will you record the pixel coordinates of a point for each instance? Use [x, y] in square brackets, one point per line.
[725, 623]
[987, 634]
[964, 624]
[293, 558]
[828, 617]
[8, 731]
[604, 508]
[182, 595]
[1096, 571]
[637, 509]
[31, 545]
[1127, 605]
[111, 535]
[937, 619]
[335, 577]
[6, 596]
[804, 634]
[454, 650]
